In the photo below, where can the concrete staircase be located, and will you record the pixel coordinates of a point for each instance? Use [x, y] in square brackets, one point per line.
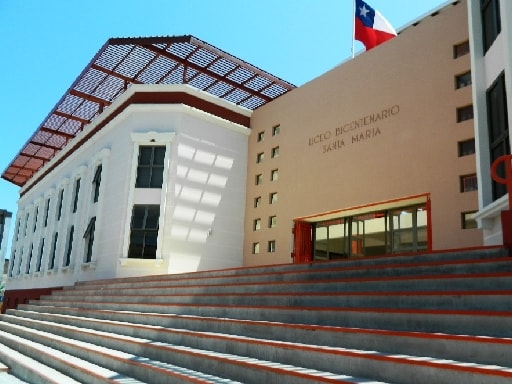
[434, 318]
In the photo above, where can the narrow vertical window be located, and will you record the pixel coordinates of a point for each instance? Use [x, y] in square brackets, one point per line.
[259, 179]
[257, 201]
[144, 231]
[499, 141]
[272, 198]
[40, 256]
[46, 211]
[29, 261]
[59, 204]
[261, 136]
[271, 246]
[276, 130]
[275, 152]
[13, 259]
[272, 221]
[96, 181]
[274, 175]
[76, 194]
[89, 239]
[51, 264]
[256, 225]
[69, 248]
[259, 157]
[150, 168]
[36, 214]
[255, 248]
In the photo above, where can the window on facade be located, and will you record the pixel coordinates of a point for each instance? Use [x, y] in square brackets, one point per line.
[13, 259]
[499, 143]
[69, 248]
[463, 80]
[491, 21]
[29, 261]
[466, 147]
[274, 175]
[272, 198]
[40, 256]
[46, 211]
[76, 194]
[18, 229]
[271, 247]
[259, 179]
[272, 221]
[51, 263]
[150, 168]
[460, 49]
[257, 201]
[256, 225]
[59, 204]
[18, 272]
[468, 183]
[259, 157]
[467, 220]
[89, 239]
[464, 113]
[96, 181]
[36, 214]
[144, 232]
[26, 224]
[276, 130]
[255, 248]
[275, 152]
[261, 136]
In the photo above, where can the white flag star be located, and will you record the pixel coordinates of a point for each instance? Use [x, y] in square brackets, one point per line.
[363, 11]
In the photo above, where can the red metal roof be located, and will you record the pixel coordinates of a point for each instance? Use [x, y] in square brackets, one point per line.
[122, 62]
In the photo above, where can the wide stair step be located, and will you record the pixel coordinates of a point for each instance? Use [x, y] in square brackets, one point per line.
[433, 318]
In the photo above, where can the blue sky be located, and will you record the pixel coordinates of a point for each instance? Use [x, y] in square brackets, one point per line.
[46, 44]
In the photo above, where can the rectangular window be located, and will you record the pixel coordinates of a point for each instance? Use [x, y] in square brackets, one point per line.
[257, 201]
[36, 214]
[466, 147]
[150, 169]
[89, 239]
[256, 225]
[76, 195]
[96, 181]
[255, 248]
[26, 224]
[468, 183]
[144, 232]
[499, 142]
[274, 175]
[275, 152]
[276, 130]
[261, 136]
[272, 198]
[461, 49]
[467, 220]
[59, 204]
[51, 263]
[18, 229]
[46, 211]
[13, 259]
[463, 80]
[271, 246]
[69, 248]
[259, 179]
[272, 221]
[40, 256]
[491, 21]
[29, 261]
[464, 113]
[259, 157]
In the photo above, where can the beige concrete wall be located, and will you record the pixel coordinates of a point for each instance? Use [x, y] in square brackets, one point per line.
[411, 149]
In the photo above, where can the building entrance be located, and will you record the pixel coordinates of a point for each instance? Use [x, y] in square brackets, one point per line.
[400, 226]
[377, 233]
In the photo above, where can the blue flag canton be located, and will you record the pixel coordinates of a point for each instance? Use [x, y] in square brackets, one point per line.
[365, 13]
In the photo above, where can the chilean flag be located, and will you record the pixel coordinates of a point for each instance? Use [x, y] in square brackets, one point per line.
[370, 27]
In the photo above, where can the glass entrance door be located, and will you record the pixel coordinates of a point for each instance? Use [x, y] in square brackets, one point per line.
[397, 230]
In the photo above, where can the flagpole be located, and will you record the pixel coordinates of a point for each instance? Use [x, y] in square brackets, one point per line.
[353, 26]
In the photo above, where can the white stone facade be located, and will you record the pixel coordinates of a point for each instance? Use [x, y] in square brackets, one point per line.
[201, 201]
